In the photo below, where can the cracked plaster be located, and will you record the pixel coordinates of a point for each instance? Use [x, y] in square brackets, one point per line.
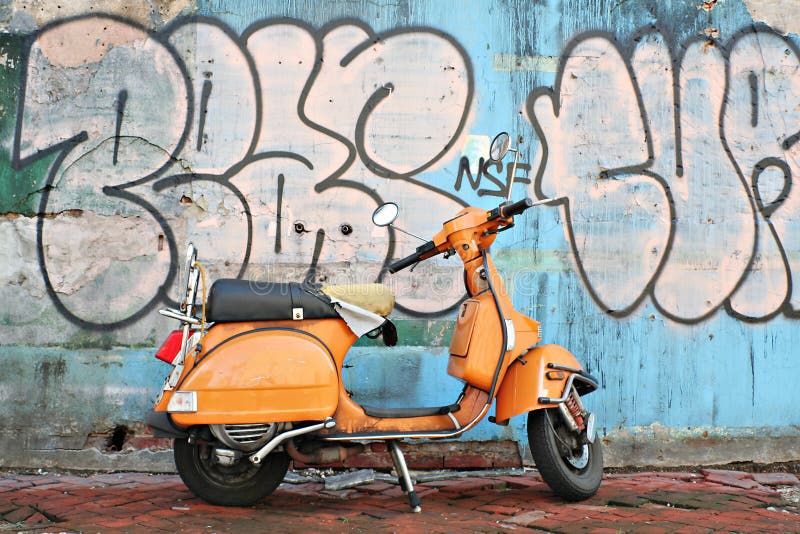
[148, 13]
[783, 15]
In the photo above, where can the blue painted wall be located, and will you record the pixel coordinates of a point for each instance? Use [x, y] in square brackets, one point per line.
[667, 131]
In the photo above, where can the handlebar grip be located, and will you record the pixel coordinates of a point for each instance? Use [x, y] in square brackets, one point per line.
[516, 208]
[401, 264]
[411, 259]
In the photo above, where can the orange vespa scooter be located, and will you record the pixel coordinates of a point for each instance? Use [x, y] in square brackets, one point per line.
[257, 373]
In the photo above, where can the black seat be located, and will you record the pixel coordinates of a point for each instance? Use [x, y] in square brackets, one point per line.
[233, 300]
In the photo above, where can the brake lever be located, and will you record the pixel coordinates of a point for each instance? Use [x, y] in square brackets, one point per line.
[504, 228]
[499, 230]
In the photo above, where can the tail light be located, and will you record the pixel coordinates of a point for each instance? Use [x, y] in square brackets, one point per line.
[172, 346]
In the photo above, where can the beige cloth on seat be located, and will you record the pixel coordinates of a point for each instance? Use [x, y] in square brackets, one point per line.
[376, 298]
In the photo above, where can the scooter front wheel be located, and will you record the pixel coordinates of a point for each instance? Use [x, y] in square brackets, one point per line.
[240, 484]
[571, 469]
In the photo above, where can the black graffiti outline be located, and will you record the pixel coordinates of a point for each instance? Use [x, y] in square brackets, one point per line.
[767, 211]
[334, 179]
[554, 95]
[118, 191]
[380, 94]
[786, 307]
[161, 182]
[750, 189]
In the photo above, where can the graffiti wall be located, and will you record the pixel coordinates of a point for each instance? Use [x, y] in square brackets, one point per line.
[687, 196]
[666, 134]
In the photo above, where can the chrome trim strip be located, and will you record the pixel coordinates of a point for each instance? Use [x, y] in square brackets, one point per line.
[585, 379]
[411, 435]
[453, 418]
[280, 438]
[563, 368]
[568, 389]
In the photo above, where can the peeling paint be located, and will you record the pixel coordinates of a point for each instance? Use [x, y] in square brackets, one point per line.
[783, 15]
[707, 5]
[146, 12]
[99, 39]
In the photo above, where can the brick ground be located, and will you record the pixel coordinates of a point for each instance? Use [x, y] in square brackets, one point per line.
[642, 502]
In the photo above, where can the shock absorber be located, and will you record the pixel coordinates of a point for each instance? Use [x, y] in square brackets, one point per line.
[574, 406]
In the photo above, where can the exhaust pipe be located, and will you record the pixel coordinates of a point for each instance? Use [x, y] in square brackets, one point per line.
[324, 454]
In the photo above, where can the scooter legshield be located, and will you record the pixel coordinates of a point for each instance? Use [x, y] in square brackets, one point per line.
[263, 375]
[525, 383]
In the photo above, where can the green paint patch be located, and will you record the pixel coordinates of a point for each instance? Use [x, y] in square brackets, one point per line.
[148, 343]
[416, 333]
[19, 190]
[520, 260]
[90, 340]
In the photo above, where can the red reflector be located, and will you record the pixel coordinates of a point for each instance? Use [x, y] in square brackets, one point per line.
[169, 350]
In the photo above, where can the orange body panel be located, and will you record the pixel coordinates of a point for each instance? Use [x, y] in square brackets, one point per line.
[260, 373]
[524, 384]
[478, 327]
[465, 325]
[478, 331]
[265, 372]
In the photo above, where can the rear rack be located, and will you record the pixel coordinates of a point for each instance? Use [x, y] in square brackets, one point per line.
[172, 313]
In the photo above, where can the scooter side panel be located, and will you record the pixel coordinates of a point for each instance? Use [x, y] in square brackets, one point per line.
[480, 340]
[263, 376]
[524, 384]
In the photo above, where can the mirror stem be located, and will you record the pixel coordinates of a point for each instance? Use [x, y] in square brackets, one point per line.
[407, 233]
[513, 173]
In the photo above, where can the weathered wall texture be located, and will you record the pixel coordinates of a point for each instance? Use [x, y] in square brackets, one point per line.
[264, 131]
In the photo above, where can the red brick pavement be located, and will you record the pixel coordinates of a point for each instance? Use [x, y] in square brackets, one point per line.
[642, 502]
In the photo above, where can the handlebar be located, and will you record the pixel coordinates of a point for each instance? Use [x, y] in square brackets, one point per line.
[503, 211]
[516, 208]
[411, 259]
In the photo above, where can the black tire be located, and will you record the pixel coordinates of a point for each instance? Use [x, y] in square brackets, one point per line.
[241, 484]
[566, 480]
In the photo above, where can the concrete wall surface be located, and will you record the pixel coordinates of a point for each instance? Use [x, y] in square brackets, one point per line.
[267, 132]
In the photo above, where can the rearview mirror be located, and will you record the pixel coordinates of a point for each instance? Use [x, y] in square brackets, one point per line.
[385, 214]
[499, 147]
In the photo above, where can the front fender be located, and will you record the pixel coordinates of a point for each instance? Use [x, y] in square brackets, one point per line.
[526, 382]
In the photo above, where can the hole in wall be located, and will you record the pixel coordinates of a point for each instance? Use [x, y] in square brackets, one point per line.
[116, 439]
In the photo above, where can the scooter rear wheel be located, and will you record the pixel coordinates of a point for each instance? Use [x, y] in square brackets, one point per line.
[240, 484]
[572, 472]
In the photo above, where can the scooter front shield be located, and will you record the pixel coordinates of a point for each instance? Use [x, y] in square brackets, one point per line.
[526, 384]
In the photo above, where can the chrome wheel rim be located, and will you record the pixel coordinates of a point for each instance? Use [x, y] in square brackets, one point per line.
[579, 461]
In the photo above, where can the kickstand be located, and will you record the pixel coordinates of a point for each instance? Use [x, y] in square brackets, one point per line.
[403, 477]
